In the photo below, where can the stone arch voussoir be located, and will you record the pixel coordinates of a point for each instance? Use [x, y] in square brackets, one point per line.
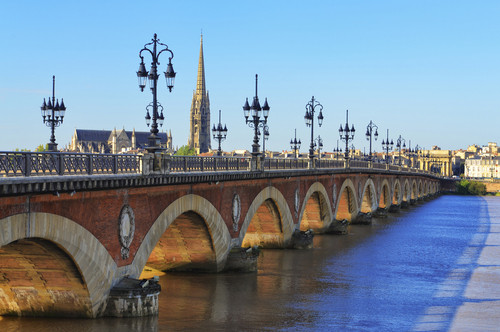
[354, 207]
[318, 187]
[370, 186]
[221, 239]
[96, 266]
[277, 197]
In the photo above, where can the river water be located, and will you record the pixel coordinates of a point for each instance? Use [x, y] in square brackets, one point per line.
[411, 271]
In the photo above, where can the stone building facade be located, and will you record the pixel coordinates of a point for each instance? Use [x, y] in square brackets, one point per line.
[114, 141]
[199, 116]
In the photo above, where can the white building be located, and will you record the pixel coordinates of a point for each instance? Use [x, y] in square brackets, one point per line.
[482, 167]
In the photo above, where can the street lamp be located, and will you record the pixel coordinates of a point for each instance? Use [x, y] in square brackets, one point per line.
[265, 129]
[319, 145]
[256, 111]
[346, 134]
[53, 115]
[219, 133]
[369, 134]
[152, 77]
[386, 146]
[337, 150]
[295, 145]
[309, 118]
[400, 143]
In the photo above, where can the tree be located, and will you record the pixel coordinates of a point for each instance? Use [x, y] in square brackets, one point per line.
[466, 187]
[185, 150]
[42, 148]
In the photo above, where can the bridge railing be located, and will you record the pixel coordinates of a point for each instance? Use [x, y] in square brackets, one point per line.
[204, 164]
[14, 164]
[18, 164]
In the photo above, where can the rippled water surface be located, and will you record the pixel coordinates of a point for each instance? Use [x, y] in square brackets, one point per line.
[380, 277]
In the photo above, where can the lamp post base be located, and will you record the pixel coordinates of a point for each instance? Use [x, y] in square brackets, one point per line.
[256, 164]
[52, 147]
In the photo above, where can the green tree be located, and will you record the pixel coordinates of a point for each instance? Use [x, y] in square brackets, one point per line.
[477, 188]
[185, 150]
[466, 187]
[42, 148]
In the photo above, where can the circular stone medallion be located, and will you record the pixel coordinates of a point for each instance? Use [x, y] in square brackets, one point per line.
[236, 211]
[126, 228]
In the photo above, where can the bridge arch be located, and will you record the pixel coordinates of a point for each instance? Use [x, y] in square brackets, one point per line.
[384, 200]
[186, 207]
[269, 203]
[316, 210]
[347, 204]
[396, 196]
[420, 190]
[406, 191]
[414, 190]
[95, 265]
[369, 198]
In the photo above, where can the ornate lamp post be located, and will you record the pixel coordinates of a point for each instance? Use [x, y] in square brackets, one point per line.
[219, 133]
[295, 145]
[152, 77]
[309, 118]
[319, 145]
[337, 150]
[346, 135]
[256, 112]
[369, 133]
[400, 143]
[386, 146]
[53, 115]
[416, 152]
[265, 129]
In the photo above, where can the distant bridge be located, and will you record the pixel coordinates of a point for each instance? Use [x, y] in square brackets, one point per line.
[73, 227]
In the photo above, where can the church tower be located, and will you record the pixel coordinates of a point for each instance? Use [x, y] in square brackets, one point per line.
[199, 116]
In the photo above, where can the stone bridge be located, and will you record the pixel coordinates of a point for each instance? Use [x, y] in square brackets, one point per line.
[70, 243]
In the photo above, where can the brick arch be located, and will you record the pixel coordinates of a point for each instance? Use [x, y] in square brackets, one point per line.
[369, 198]
[186, 245]
[221, 239]
[316, 205]
[397, 195]
[276, 197]
[384, 196]
[96, 266]
[414, 190]
[347, 204]
[406, 192]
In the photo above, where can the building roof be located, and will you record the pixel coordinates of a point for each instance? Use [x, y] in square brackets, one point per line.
[89, 135]
[141, 137]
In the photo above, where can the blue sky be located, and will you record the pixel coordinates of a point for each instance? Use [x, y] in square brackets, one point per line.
[426, 70]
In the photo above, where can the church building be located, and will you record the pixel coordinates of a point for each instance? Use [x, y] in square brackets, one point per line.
[115, 141]
[199, 116]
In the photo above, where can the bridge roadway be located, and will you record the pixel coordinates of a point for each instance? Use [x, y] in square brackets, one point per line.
[77, 231]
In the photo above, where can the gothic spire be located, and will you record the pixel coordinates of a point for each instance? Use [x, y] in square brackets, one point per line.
[200, 85]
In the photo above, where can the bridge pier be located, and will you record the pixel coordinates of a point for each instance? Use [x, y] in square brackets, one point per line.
[133, 298]
[302, 239]
[338, 227]
[380, 212]
[363, 218]
[242, 259]
[394, 208]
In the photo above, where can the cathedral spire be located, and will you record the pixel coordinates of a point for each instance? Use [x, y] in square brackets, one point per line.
[200, 86]
[199, 128]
